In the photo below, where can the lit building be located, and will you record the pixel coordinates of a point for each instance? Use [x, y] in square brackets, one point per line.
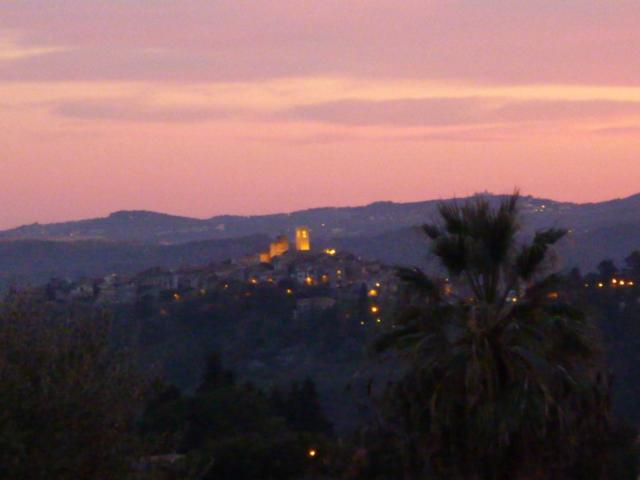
[279, 247]
[303, 239]
[265, 257]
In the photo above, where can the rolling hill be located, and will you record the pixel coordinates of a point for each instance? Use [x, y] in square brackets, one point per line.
[129, 240]
[36, 261]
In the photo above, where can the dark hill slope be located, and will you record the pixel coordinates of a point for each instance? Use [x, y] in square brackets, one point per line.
[35, 261]
[381, 230]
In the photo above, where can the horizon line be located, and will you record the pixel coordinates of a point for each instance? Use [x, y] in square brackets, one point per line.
[291, 212]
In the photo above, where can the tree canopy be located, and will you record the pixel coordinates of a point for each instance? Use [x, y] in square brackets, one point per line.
[504, 378]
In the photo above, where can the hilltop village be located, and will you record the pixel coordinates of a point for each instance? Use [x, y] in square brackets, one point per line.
[317, 279]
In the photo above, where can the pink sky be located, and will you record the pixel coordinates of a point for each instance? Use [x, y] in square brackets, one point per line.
[202, 107]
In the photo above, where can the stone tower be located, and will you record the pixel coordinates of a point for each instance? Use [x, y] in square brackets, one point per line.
[303, 239]
[279, 247]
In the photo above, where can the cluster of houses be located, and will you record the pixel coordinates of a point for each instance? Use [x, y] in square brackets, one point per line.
[344, 275]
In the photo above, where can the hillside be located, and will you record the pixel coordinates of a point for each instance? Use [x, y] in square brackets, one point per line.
[36, 261]
[326, 223]
[129, 240]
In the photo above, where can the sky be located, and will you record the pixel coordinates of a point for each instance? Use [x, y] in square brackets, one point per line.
[204, 107]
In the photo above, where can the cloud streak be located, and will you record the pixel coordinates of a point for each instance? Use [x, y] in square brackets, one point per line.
[402, 113]
[623, 131]
[582, 42]
[457, 111]
[12, 51]
[134, 110]
[455, 135]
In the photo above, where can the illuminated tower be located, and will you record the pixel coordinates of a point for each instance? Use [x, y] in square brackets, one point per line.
[279, 247]
[264, 257]
[303, 239]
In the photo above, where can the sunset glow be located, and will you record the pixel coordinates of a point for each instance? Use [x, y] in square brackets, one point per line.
[202, 107]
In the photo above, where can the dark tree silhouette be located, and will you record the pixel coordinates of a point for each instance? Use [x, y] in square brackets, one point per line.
[67, 401]
[607, 269]
[633, 262]
[215, 376]
[503, 374]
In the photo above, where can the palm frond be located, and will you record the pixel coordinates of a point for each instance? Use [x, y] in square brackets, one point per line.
[418, 280]
[453, 253]
[549, 236]
[432, 231]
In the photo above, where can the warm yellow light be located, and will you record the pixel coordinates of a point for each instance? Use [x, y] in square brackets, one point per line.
[289, 291]
[303, 243]
[613, 280]
[374, 309]
[630, 283]
[552, 295]
[176, 296]
[330, 251]
[265, 257]
[373, 292]
[378, 284]
[379, 320]
[312, 452]
[600, 284]
[621, 283]
[308, 281]
[253, 281]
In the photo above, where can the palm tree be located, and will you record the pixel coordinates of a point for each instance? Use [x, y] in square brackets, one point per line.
[503, 373]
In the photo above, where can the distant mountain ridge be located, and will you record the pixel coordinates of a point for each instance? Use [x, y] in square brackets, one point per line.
[134, 225]
[381, 230]
[154, 227]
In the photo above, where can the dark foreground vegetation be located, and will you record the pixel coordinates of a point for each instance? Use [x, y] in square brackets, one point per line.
[496, 369]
